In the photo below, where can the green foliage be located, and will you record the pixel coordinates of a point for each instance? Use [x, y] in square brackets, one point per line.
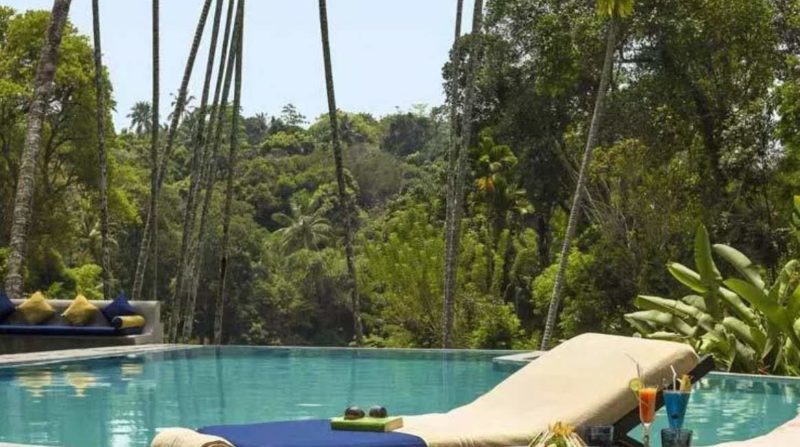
[615, 8]
[406, 133]
[748, 326]
[692, 134]
[592, 300]
[499, 329]
[88, 281]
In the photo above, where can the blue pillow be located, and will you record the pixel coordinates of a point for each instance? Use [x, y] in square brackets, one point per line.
[119, 307]
[6, 306]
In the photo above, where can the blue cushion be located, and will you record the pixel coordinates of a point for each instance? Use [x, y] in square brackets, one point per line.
[119, 307]
[6, 306]
[313, 433]
[24, 329]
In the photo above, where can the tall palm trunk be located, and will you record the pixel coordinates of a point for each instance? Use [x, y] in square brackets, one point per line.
[232, 150]
[101, 149]
[457, 176]
[452, 156]
[591, 142]
[214, 136]
[198, 162]
[180, 104]
[337, 156]
[155, 130]
[23, 201]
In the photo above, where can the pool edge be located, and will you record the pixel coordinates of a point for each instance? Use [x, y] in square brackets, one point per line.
[66, 355]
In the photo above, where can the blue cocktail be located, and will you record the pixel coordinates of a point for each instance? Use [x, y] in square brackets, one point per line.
[676, 403]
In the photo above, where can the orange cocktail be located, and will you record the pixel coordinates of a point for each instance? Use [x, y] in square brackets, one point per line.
[647, 409]
[647, 404]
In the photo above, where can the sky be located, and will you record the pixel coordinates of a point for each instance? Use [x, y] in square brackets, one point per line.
[387, 54]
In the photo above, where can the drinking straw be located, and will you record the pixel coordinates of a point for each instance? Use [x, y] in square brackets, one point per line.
[674, 378]
[638, 368]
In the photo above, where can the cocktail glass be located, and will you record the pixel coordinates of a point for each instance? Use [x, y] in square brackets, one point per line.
[647, 410]
[676, 437]
[676, 403]
[598, 435]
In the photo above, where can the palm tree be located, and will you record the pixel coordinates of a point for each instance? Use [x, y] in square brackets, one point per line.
[452, 156]
[155, 131]
[493, 167]
[101, 149]
[151, 223]
[337, 157]
[302, 230]
[140, 118]
[197, 164]
[458, 161]
[212, 141]
[23, 200]
[234, 147]
[614, 10]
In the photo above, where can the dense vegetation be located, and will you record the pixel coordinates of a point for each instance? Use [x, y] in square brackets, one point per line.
[702, 126]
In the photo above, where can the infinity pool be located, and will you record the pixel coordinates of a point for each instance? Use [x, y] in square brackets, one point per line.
[120, 401]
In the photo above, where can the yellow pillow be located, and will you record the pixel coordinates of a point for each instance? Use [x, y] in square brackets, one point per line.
[128, 322]
[80, 312]
[36, 309]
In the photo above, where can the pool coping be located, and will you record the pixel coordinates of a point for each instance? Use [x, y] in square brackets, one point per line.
[46, 357]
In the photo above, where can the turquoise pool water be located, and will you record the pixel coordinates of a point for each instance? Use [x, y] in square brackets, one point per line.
[119, 402]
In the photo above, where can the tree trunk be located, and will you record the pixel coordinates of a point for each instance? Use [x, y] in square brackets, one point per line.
[155, 129]
[234, 147]
[456, 206]
[100, 93]
[198, 163]
[216, 120]
[23, 201]
[591, 142]
[180, 104]
[452, 156]
[337, 157]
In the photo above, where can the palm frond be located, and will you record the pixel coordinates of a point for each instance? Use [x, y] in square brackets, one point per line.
[615, 8]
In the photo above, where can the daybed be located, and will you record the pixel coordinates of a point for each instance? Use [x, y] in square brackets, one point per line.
[17, 336]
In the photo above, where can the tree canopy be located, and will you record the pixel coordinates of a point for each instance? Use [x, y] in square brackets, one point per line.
[702, 126]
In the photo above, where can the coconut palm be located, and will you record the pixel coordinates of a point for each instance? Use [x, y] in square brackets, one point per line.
[140, 118]
[42, 90]
[150, 227]
[197, 165]
[155, 131]
[614, 10]
[212, 143]
[302, 230]
[452, 156]
[340, 181]
[101, 149]
[456, 177]
[232, 150]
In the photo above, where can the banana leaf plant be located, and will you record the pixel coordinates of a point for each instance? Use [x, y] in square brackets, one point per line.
[746, 324]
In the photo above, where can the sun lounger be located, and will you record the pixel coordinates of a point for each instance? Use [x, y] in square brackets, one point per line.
[582, 381]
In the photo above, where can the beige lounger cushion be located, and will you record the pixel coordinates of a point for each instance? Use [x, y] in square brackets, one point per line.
[584, 380]
[786, 435]
[183, 437]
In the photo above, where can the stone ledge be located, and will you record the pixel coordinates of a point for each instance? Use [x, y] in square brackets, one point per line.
[518, 359]
[36, 358]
